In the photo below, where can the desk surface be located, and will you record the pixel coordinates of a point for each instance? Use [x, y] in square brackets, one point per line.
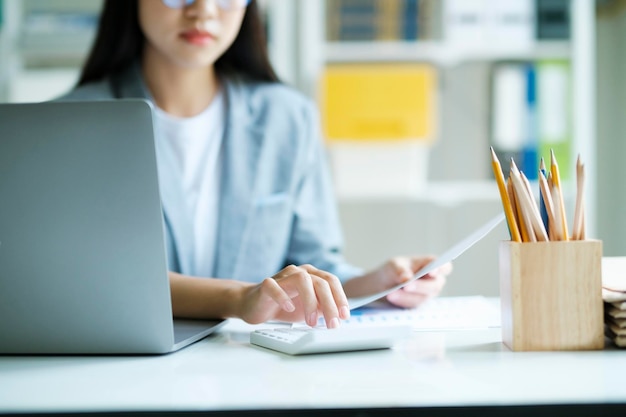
[224, 372]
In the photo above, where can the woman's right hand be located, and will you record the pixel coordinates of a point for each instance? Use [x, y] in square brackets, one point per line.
[294, 294]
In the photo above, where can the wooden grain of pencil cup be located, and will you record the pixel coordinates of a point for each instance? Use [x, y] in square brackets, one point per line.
[551, 295]
[550, 280]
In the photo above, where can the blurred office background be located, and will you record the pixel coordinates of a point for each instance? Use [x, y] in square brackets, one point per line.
[411, 95]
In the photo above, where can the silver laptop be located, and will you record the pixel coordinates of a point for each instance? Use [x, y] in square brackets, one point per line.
[83, 266]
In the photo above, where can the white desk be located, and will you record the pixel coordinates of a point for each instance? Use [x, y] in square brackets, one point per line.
[224, 372]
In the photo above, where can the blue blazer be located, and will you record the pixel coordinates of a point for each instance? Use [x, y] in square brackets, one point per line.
[277, 205]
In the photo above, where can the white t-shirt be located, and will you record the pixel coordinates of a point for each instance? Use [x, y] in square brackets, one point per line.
[194, 144]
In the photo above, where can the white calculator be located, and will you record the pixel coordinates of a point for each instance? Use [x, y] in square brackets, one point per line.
[306, 340]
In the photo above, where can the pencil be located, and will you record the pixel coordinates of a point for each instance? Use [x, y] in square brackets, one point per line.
[549, 178]
[578, 211]
[538, 226]
[548, 205]
[528, 235]
[529, 210]
[556, 179]
[558, 225]
[542, 205]
[518, 212]
[581, 225]
[506, 203]
[558, 235]
[511, 193]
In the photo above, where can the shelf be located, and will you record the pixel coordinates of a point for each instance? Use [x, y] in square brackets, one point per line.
[440, 53]
[56, 33]
[448, 193]
[453, 193]
[68, 49]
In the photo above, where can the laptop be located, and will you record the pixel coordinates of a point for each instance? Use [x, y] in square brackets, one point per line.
[83, 267]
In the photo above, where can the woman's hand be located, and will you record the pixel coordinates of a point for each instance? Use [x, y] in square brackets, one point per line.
[296, 293]
[397, 271]
[414, 293]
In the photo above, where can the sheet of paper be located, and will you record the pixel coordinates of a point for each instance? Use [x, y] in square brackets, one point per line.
[441, 260]
[614, 273]
[440, 313]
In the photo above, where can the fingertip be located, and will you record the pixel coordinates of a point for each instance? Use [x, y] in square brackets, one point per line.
[344, 312]
[392, 297]
[400, 268]
[288, 306]
[334, 323]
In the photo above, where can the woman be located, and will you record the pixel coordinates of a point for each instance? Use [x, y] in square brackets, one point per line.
[243, 179]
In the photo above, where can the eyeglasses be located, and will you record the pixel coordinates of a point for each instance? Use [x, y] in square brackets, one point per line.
[222, 4]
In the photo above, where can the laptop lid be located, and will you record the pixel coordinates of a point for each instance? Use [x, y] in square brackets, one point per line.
[82, 253]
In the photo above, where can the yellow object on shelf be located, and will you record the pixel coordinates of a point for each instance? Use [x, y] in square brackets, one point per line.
[379, 102]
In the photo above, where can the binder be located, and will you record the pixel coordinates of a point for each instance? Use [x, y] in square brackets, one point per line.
[357, 20]
[379, 118]
[480, 23]
[529, 163]
[333, 19]
[554, 121]
[510, 23]
[410, 19]
[465, 22]
[553, 19]
[509, 106]
[388, 20]
[369, 20]
[430, 24]
[350, 20]
[379, 102]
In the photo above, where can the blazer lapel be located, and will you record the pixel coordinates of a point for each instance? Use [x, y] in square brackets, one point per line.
[129, 84]
[241, 149]
[240, 153]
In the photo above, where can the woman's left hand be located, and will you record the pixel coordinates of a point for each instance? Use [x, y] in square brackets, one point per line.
[401, 269]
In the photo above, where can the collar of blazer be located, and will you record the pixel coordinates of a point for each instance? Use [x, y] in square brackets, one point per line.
[240, 153]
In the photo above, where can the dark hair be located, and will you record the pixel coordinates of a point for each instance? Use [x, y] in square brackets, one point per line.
[119, 42]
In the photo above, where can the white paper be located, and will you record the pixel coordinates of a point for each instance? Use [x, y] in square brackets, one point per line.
[449, 313]
[443, 259]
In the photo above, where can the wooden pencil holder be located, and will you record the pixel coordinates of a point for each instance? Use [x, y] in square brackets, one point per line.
[551, 295]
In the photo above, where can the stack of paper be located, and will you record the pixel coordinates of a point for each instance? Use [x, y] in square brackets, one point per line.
[614, 296]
